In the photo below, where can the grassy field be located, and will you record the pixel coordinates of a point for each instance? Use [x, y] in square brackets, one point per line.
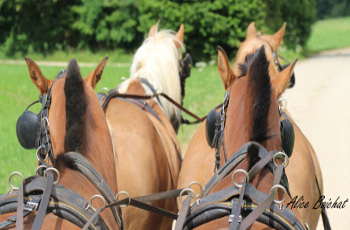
[204, 90]
[329, 34]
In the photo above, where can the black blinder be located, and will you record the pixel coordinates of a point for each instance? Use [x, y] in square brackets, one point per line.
[292, 77]
[287, 137]
[28, 129]
[210, 126]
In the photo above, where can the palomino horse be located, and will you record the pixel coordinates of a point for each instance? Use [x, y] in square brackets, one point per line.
[147, 152]
[303, 157]
[251, 140]
[79, 145]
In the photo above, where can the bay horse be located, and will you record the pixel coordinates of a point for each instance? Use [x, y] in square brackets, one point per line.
[81, 151]
[250, 115]
[307, 184]
[147, 152]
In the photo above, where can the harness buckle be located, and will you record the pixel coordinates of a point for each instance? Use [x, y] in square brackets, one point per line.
[230, 218]
[31, 206]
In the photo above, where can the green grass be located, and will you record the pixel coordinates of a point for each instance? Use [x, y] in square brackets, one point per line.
[204, 90]
[329, 34]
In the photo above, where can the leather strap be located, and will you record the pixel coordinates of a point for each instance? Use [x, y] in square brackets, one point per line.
[253, 216]
[88, 223]
[116, 94]
[92, 175]
[180, 222]
[19, 221]
[44, 202]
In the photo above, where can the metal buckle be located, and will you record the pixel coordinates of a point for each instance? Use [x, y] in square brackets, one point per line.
[31, 206]
[230, 219]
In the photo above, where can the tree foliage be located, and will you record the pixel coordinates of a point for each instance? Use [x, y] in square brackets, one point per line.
[48, 25]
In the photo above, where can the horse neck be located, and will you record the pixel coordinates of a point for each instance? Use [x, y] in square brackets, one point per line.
[158, 63]
[239, 122]
[97, 145]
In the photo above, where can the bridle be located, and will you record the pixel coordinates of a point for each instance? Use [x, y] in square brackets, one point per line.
[242, 203]
[42, 193]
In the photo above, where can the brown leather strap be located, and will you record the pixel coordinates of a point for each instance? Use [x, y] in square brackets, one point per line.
[19, 220]
[116, 94]
[44, 202]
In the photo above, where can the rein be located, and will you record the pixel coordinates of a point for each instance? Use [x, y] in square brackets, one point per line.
[116, 94]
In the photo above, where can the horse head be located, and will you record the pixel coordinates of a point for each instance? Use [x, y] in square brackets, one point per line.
[74, 133]
[255, 41]
[160, 67]
[252, 112]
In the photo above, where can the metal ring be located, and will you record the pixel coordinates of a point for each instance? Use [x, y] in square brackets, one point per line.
[282, 103]
[89, 205]
[126, 193]
[56, 171]
[105, 90]
[9, 180]
[237, 171]
[277, 186]
[38, 157]
[191, 192]
[200, 187]
[43, 122]
[40, 167]
[285, 162]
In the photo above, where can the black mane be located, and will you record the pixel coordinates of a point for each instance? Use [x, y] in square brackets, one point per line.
[259, 88]
[75, 108]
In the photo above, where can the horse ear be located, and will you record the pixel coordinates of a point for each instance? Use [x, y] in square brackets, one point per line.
[153, 30]
[39, 80]
[224, 68]
[277, 37]
[95, 76]
[281, 80]
[180, 36]
[251, 31]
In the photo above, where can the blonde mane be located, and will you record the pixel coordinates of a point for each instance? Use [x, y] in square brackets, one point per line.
[157, 60]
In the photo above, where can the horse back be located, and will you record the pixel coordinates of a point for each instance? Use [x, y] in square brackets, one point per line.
[146, 158]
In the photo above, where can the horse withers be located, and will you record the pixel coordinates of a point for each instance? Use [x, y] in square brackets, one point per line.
[74, 144]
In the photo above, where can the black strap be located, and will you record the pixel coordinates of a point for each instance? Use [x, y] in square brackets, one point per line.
[325, 219]
[116, 94]
[92, 218]
[253, 216]
[237, 218]
[45, 201]
[180, 222]
[92, 175]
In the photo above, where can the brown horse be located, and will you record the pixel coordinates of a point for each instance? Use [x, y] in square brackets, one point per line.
[147, 152]
[76, 124]
[303, 157]
[252, 114]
